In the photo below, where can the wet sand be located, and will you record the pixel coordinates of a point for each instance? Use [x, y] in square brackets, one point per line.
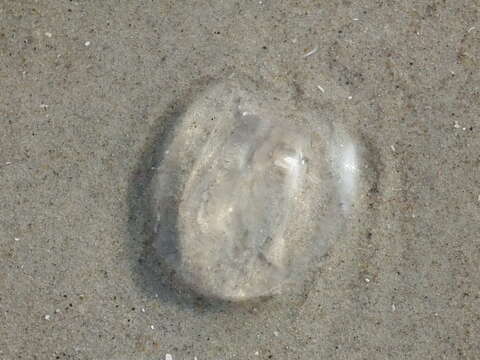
[88, 90]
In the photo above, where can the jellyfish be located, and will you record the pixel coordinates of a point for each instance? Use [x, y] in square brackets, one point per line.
[250, 192]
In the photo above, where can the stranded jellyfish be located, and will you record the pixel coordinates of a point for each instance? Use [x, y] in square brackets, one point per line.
[250, 191]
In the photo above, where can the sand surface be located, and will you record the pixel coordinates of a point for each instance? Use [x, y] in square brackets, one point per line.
[87, 86]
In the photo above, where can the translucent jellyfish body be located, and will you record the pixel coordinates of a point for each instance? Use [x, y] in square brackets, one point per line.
[250, 191]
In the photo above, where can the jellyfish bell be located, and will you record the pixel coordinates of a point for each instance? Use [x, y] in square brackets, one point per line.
[250, 192]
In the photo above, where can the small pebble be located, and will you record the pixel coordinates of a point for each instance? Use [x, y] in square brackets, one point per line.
[87, 43]
[168, 357]
[47, 317]
[48, 34]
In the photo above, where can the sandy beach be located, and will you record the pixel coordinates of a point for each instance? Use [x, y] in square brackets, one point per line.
[88, 89]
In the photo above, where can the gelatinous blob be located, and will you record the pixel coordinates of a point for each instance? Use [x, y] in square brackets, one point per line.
[250, 192]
